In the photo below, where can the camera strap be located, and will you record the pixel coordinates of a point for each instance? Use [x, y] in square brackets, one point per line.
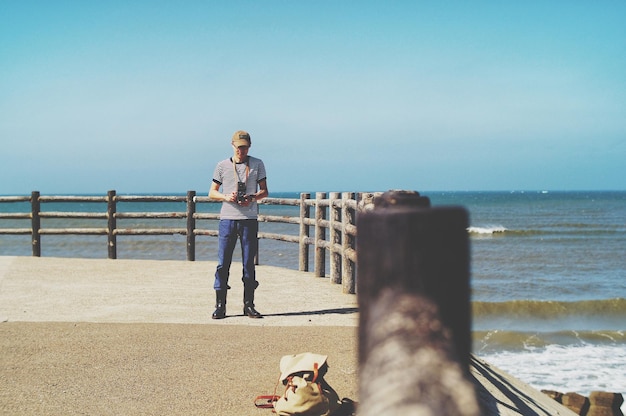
[237, 174]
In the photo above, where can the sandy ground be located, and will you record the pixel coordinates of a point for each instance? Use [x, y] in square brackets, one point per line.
[130, 337]
[157, 369]
[135, 337]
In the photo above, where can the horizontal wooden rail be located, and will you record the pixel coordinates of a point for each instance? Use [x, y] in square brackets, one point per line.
[212, 233]
[150, 198]
[52, 198]
[148, 215]
[280, 237]
[150, 231]
[94, 215]
[15, 231]
[279, 201]
[275, 218]
[14, 216]
[14, 198]
[73, 231]
[335, 215]
[203, 216]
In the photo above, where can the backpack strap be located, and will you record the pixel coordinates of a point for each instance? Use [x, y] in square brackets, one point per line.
[265, 402]
[315, 372]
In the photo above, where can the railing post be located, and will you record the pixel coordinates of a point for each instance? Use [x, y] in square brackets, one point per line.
[191, 226]
[335, 238]
[112, 224]
[303, 253]
[348, 269]
[320, 235]
[414, 308]
[35, 208]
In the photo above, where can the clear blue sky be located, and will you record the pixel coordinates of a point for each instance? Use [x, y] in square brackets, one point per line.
[143, 96]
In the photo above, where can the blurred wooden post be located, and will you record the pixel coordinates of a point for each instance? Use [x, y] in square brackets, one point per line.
[414, 308]
[303, 253]
[111, 224]
[191, 226]
[335, 238]
[35, 220]
[319, 267]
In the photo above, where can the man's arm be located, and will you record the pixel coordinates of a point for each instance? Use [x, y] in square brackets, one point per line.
[215, 194]
[262, 192]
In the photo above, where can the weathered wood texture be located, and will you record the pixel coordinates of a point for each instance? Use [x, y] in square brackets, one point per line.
[414, 329]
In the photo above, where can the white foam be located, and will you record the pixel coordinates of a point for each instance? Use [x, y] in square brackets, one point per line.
[489, 229]
[579, 369]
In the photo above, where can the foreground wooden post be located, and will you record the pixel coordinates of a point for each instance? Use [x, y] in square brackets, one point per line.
[414, 308]
[111, 224]
[35, 220]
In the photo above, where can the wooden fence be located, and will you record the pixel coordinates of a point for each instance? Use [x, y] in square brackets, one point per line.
[333, 223]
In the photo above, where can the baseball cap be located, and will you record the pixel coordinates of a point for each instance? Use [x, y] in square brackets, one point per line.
[241, 138]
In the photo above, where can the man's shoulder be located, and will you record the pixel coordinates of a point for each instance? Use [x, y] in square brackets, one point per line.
[220, 168]
[254, 160]
[227, 161]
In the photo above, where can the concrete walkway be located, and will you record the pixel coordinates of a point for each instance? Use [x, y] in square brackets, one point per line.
[40, 289]
[135, 337]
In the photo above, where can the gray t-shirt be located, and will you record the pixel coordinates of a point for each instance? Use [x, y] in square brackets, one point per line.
[227, 174]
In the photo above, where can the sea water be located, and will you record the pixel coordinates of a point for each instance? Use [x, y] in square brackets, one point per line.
[549, 286]
[548, 274]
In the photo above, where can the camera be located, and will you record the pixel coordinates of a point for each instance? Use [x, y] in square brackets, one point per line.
[241, 193]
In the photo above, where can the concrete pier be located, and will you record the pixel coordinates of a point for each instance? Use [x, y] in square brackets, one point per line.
[135, 337]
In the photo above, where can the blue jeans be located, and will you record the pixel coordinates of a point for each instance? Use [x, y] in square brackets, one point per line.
[229, 232]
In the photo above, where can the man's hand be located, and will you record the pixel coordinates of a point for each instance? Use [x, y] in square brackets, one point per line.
[232, 197]
[246, 201]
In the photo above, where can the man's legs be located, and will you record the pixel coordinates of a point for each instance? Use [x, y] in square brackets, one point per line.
[248, 232]
[225, 247]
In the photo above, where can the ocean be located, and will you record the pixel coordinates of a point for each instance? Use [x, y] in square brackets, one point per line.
[548, 274]
[549, 286]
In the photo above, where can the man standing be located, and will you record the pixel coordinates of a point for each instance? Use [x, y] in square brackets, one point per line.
[243, 182]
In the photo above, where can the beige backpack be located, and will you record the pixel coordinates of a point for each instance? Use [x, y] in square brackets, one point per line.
[306, 392]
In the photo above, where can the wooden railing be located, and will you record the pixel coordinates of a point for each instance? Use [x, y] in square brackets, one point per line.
[333, 223]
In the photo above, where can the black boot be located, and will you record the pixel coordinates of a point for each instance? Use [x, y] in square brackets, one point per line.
[248, 303]
[220, 305]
